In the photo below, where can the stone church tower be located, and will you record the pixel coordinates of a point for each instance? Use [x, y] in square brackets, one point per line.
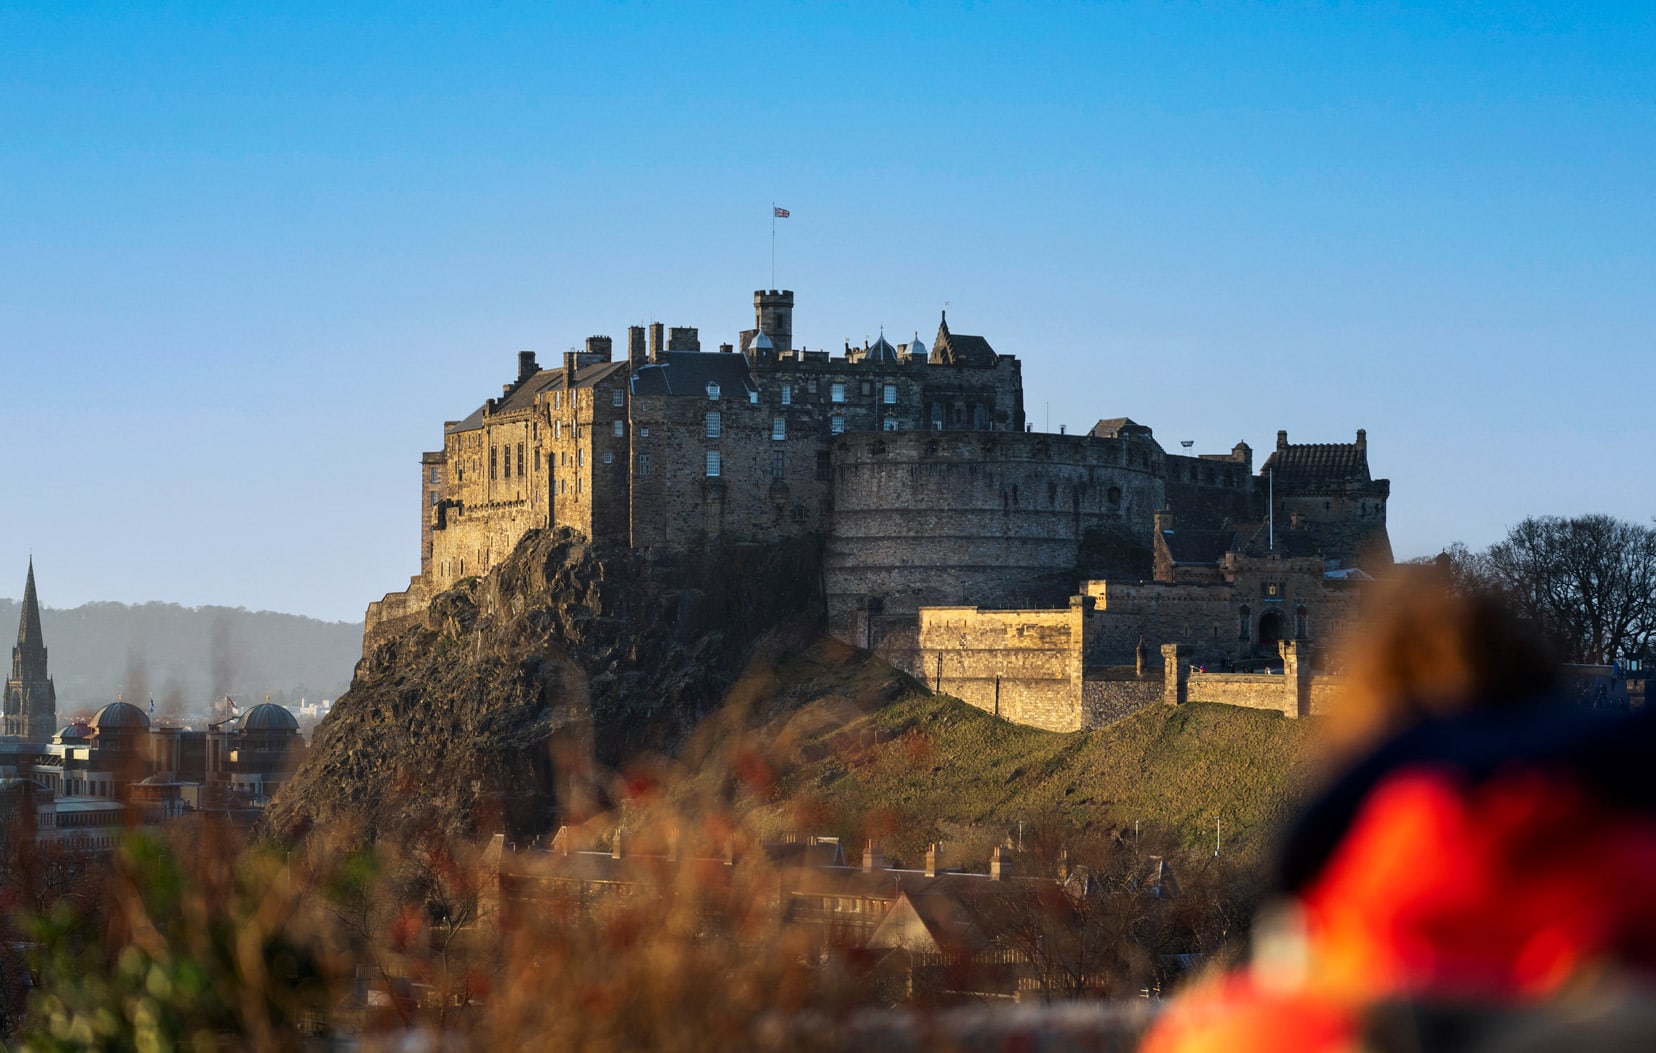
[31, 701]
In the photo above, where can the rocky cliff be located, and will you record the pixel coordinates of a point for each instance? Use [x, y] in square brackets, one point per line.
[473, 717]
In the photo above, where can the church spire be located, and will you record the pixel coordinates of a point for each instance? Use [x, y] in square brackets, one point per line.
[29, 710]
[28, 627]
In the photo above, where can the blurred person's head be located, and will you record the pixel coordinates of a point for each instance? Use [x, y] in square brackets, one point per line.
[1426, 651]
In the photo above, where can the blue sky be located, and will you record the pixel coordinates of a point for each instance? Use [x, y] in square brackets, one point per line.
[250, 258]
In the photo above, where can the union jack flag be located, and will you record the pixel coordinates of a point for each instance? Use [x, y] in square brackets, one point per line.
[779, 213]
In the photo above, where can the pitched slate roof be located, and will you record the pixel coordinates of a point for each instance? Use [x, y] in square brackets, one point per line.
[523, 395]
[1315, 465]
[689, 372]
[1115, 427]
[958, 349]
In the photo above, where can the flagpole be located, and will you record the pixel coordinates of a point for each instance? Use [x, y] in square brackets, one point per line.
[773, 245]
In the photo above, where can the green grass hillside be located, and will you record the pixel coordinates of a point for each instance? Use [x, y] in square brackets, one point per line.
[858, 750]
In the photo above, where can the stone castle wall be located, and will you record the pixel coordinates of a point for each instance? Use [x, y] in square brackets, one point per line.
[1024, 666]
[951, 518]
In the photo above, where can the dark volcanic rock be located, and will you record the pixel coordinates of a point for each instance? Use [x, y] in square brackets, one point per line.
[568, 650]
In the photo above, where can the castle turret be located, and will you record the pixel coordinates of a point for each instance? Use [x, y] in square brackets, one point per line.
[30, 709]
[773, 314]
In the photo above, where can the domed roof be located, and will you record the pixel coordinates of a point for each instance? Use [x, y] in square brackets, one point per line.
[120, 715]
[268, 716]
[74, 732]
[881, 350]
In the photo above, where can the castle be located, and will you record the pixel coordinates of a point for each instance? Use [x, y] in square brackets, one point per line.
[936, 503]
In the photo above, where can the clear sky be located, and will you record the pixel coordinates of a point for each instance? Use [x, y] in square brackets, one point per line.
[251, 257]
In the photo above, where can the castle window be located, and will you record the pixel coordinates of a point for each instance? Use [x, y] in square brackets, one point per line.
[811, 386]
[712, 464]
[713, 425]
[866, 388]
[1113, 495]
[494, 462]
[557, 400]
[890, 395]
[580, 459]
[836, 424]
[778, 465]
[779, 427]
[620, 428]
[822, 466]
[433, 497]
[713, 390]
[577, 486]
[434, 475]
[937, 416]
[891, 424]
[643, 464]
[787, 394]
[609, 458]
[980, 418]
[644, 432]
[837, 392]
[617, 398]
[557, 429]
[520, 458]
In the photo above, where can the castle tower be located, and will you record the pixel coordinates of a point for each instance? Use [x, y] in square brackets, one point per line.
[773, 314]
[30, 710]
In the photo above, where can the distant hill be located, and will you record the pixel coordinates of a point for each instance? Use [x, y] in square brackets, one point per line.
[184, 657]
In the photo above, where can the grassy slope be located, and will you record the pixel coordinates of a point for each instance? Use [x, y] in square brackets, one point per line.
[860, 751]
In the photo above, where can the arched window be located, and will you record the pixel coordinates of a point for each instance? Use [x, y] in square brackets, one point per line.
[713, 390]
[1245, 623]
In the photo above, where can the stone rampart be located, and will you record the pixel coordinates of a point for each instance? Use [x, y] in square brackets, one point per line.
[1023, 665]
[386, 617]
[1105, 701]
[951, 518]
[1271, 691]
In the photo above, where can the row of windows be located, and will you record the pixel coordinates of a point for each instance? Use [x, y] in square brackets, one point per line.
[617, 398]
[505, 455]
[714, 464]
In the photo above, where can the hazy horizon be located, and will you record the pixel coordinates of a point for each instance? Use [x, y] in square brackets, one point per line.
[255, 258]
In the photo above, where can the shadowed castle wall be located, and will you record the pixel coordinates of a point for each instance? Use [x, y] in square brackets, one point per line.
[1004, 519]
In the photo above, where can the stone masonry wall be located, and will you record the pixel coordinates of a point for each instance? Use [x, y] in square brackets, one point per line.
[1249, 690]
[935, 518]
[1107, 701]
[1024, 666]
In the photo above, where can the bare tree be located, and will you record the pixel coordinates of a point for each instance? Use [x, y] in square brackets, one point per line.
[1588, 582]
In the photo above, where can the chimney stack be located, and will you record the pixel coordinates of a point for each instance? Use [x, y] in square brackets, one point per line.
[658, 340]
[526, 365]
[601, 348]
[873, 858]
[1282, 439]
[1000, 868]
[931, 860]
[636, 356]
[1362, 439]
